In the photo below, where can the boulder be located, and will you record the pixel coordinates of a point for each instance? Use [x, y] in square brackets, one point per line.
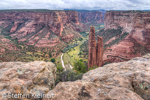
[36, 77]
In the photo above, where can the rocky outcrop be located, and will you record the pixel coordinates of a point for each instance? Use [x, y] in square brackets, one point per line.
[92, 48]
[36, 77]
[117, 81]
[95, 50]
[90, 16]
[136, 43]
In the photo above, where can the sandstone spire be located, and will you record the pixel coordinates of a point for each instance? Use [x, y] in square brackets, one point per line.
[92, 48]
[99, 51]
[95, 50]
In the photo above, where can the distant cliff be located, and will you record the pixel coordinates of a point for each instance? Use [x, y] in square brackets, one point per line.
[136, 43]
[86, 16]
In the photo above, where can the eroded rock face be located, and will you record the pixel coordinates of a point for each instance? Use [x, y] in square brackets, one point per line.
[36, 77]
[136, 43]
[6, 44]
[90, 16]
[136, 23]
[34, 26]
[92, 48]
[99, 51]
[95, 50]
[81, 90]
[120, 81]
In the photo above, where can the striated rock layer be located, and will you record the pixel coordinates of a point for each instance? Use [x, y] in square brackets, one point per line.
[136, 43]
[136, 23]
[95, 50]
[36, 77]
[40, 28]
[117, 81]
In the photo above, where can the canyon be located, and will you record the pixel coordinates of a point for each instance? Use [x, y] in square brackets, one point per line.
[49, 29]
[40, 28]
[136, 43]
[128, 79]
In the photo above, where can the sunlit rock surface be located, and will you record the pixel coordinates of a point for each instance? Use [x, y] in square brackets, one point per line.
[36, 77]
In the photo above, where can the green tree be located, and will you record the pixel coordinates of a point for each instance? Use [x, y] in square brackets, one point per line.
[53, 60]
[81, 60]
[80, 39]
[79, 66]
[80, 53]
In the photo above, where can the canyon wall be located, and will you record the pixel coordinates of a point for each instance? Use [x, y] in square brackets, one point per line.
[40, 28]
[136, 43]
[90, 16]
[95, 50]
[135, 22]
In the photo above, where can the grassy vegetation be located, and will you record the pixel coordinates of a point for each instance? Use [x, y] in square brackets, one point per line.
[58, 60]
[97, 26]
[72, 54]
[69, 47]
[84, 34]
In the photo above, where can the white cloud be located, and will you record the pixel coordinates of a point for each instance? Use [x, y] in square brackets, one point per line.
[76, 4]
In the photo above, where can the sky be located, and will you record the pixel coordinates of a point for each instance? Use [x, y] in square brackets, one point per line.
[76, 4]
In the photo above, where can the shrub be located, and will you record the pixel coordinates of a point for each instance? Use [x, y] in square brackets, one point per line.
[79, 66]
[81, 60]
[80, 39]
[53, 60]
[80, 53]
[68, 75]
[60, 69]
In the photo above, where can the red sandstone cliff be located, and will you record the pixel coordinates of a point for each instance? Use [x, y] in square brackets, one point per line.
[95, 50]
[137, 25]
[40, 28]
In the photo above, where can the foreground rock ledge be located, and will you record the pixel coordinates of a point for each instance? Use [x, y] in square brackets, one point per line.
[117, 81]
[28, 78]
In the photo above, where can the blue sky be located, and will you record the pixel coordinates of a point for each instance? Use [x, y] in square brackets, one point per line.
[76, 4]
